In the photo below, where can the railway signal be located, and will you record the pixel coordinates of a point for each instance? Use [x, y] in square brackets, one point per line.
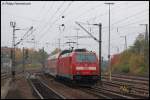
[63, 16]
[13, 25]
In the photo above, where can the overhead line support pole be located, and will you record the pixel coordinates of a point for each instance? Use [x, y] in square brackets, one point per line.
[13, 25]
[109, 43]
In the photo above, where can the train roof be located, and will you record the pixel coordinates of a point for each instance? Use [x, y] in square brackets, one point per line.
[80, 50]
[70, 51]
[67, 53]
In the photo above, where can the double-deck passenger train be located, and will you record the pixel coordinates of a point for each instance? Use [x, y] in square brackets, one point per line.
[79, 66]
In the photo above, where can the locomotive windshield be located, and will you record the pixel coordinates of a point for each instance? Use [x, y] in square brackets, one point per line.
[86, 58]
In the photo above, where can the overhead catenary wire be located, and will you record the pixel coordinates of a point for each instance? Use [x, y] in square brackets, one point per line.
[67, 7]
[42, 8]
[124, 26]
[61, 14]
[114, 28]
[102, 14]
[124, 19]
[129, 33]
[124, 8]
[39, 25]
[57, 18]
[138, 13]
[105, 27]
[61, 5]
[91, 9]
[48, 11]
[50, 19]
[46, 25]
[81, 6]
[116, 38]
[25, 35]
[22, 17]
[119, 26]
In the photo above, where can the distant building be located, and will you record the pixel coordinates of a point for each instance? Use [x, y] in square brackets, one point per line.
[115, 59]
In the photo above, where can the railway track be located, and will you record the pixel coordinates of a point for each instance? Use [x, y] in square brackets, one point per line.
[135, 83]
[128, 85]
[95, 93]
[127, 78]
[130, 77]
[122, 94]
[43, 91]
[4, 75]
[107, 93]
[104, 93]
[136, 88]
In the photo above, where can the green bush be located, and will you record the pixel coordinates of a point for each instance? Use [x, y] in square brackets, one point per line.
[125, 68]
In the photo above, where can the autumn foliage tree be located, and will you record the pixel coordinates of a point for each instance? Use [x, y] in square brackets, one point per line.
[134, 60]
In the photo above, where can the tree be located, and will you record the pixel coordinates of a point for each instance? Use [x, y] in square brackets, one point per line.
[135, 60]
[42, 56]
[57, 50]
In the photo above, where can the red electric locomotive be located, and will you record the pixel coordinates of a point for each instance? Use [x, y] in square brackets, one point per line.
[79, 65]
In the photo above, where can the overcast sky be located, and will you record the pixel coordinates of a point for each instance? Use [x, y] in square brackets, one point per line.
[46, 18]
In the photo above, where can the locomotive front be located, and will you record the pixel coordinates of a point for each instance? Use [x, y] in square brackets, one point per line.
[85, 67]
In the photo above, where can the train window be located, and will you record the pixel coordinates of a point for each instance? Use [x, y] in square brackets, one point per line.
[86, 58]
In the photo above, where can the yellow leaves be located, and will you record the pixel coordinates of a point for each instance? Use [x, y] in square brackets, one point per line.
[136, 62]
[133, 60]
[18, 54]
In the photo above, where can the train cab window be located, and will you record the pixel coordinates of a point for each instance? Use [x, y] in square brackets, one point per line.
[86, 58]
